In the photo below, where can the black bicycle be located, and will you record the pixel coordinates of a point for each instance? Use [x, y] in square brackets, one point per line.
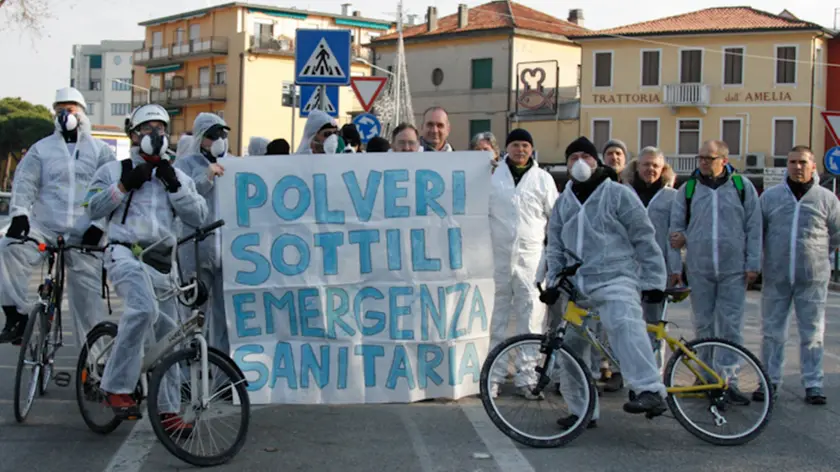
[43, 336]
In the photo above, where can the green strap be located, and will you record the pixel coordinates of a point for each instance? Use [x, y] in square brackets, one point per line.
[739, 185]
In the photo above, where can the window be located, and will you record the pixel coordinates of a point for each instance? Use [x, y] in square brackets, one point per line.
[168, 79]
[600, 133]
[479, 126]
[783, 133]
[437, 76]
[691, 66]
[648, 133]
[650, 68]
[179, 36]
[785, 65]
[72, 62]
[195, 32]
[90, 110]
[603, 69]
[154, 83]
[204, 76]
[73, 83]
[733, 66]
[264, 30]
[221, 74]
[157, 39]
[482, 73]
[121, 85]
[95, 84]
[688, 138]
[731, 134]
[120, 109]
[96, 61]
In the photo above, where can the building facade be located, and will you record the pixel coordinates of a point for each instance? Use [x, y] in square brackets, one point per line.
[832, 97]
[753, 79]
[237, 60]
[494, 67]
[102, 72]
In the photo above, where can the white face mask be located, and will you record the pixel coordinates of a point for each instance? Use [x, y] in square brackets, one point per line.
[581, 171]
[154, 145]
[219, 147]
[66, 121]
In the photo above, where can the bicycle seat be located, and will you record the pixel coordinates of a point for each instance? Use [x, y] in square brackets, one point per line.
[678, 294]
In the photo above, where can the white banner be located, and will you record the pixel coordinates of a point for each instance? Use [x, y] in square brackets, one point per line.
[357, 278]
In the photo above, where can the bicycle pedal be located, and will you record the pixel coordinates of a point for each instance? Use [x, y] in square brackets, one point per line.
[62, 379]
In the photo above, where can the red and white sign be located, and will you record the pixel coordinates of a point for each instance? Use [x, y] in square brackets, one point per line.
[367, 89]
[832, 122]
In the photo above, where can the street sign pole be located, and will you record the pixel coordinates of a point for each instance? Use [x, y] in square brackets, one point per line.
[322, 58]
[322, 98]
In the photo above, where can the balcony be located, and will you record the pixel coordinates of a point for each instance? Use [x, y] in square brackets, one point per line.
[266, 44]
[687, 95]
[196, 48]
[682, 165]
[192, 94]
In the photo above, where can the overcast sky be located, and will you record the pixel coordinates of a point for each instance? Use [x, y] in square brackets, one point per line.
[34, 67]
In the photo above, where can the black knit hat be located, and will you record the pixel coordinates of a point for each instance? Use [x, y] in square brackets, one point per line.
[583, 144]
[519, 134]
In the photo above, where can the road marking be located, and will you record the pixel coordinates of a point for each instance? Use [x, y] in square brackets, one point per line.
[39, 400]
[136, 448]
[417, 443]
[505, 453]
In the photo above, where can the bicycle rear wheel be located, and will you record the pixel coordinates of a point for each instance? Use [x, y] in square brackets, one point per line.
[227, 388]
[565, 367]
[98, 417]
[29, 360]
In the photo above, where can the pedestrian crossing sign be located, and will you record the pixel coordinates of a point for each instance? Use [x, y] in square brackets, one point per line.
[310, 99]
[322, 57]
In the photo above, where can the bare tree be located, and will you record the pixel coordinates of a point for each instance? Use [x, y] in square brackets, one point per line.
[27, 15]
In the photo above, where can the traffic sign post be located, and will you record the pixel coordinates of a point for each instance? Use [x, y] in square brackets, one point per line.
[322, 57]
[367, 89]
[832, 161]
[368, 125]
[832, 122]
[319, 97]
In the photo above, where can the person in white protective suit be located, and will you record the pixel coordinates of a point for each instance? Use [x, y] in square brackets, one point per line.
[142, 198]
[721, 230]
[47, 197]
[801, 226]
[210, 144]
[652, 179]
[606, 225]
[521, 199]
[319, 127]
[184, 146]
[258, 146]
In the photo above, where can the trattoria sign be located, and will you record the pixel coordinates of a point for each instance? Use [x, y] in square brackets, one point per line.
[626, 98]
[758, 97]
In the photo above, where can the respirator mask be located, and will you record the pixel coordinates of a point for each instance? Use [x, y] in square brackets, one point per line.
[219, 135]
[67, 124]
[581, 171]
[154, 145]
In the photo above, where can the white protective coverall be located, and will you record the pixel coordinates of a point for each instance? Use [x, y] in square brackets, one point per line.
[659, 212]
[798, 237]
[723, 242]
[258, 146]
[316, 120]
[184, 146]
[614, 237]
[149, 218]
[518, 218]
[195, 165]
[49, 188]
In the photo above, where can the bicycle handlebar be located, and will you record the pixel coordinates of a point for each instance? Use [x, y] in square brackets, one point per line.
[202, 232]
[44, 247]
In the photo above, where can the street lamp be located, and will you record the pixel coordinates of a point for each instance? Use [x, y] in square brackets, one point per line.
[365, 62]
[148, 91]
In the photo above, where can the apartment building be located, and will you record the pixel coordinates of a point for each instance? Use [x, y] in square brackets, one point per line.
[102, 72]
[236, 60]
[494, 67]
[754, 79]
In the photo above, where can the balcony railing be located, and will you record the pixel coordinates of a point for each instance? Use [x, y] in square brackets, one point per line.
[682, 164]
[184, 95]
[687, 95]
[194, 47]
[270, 44]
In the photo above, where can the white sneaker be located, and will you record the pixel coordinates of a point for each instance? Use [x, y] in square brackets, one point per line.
[526, 392]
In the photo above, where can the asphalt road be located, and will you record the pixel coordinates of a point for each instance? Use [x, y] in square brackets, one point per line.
[434, 436]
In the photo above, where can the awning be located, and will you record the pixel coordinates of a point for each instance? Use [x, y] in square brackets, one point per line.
[173, 111]
[361, 24]
[280, 14]
[163, 69]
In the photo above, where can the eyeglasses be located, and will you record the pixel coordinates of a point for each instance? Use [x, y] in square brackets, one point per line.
[707, 158]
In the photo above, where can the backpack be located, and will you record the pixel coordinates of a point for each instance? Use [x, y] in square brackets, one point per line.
[691, 185]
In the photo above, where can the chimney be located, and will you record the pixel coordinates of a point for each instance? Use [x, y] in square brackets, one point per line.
[345, 9]
[576, 16]
[357, 13]
[431, 19]
[463, 15]
[412, 19]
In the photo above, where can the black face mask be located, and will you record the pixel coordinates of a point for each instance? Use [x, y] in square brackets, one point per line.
[153, 144]
[69, 135]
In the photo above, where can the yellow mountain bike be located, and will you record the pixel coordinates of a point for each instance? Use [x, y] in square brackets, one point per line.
[708, 380]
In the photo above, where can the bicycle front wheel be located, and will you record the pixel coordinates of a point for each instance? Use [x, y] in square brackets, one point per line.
[178, 417]
[724, 417]
[30, 361]
[52, 329]
[90, 368]
[518, 411]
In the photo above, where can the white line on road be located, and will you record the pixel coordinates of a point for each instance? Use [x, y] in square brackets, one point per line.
[505, 453]
[135, 449]
[417, 443]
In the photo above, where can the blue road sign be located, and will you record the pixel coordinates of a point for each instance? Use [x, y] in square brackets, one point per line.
[832, 160]
[368, 125]
[322, 57]
[310, 99]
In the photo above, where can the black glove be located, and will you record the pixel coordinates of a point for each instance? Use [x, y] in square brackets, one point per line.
[19, 227]
[166, 173]
[135, 179]
[92, 236]
[550, 296]
[653, 296]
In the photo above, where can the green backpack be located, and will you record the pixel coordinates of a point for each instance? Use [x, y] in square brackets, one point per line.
[690, 186]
